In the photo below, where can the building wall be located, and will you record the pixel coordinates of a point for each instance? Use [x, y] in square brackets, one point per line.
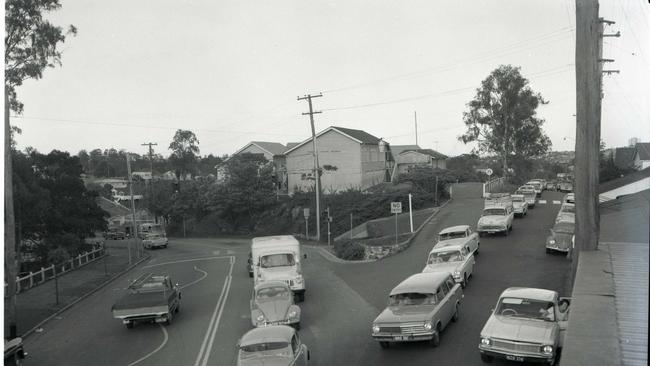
[341, 154]
[256, 150]
[640, 164]
[411, 159]
[373, 166]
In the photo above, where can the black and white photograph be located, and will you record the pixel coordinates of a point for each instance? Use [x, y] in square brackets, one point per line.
[326, 182]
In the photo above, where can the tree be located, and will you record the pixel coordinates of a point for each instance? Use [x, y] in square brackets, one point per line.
[30, 46]
[185, 148]
[502, 117]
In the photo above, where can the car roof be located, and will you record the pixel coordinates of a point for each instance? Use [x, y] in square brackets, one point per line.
[275, 239]
[442, 247]
[453, 229]
[517, 195]
[267, 284]
[530, 293]
[564, 225]
[270, 333]
[421, 282]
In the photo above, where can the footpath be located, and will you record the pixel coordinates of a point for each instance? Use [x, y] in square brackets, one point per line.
[39, 304]
[608, 324]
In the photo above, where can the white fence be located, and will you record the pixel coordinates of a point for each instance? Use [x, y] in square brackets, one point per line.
[46, 274]
[493, 184]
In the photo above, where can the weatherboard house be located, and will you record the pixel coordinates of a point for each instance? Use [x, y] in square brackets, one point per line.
[272, 151]
[348, 158]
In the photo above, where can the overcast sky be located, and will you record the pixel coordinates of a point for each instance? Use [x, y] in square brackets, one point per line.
[231, 70]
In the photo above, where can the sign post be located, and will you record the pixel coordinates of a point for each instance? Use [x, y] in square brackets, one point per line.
[306, 214]
[396, 208]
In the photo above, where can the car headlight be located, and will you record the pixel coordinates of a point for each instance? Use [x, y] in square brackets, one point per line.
[456, 273]
[547, 350]
[551, 241]
[298, 279]
[486, 341]
[375, 328]
[293, 314]
[428, 325]
[260, 318]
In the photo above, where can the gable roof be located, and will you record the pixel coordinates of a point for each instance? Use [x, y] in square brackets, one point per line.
[643, 150]
[623, 181]
[434, 154]
[273, 148]
[359, 136]
[624, 157]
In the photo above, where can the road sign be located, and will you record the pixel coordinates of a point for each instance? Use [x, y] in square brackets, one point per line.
[488, 171]
[396, 207]
[306, 213]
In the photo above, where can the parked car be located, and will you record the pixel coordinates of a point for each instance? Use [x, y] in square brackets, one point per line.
[551, 185]
[272, 304]
[527, 325]
[560, 239]
[529, 195]
[149, 297]
[152, 241]
[537, 186]
[456, 260]
[494, 220]
[519, 205]
[114, 235]
[567, 213]
[277, 345]
[569, 198]
[565, 186]
[14, 352]
[459, 235]
[249, 265]
[419, 309]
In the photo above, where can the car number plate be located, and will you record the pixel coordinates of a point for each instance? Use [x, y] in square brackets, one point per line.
[514, 358]
[491, 231]
[401, 338]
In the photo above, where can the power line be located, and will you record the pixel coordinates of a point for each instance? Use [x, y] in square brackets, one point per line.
[636, 40]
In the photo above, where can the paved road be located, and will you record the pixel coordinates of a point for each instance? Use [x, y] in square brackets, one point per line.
[341, 302]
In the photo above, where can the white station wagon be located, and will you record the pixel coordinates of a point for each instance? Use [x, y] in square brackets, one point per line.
[456, 260]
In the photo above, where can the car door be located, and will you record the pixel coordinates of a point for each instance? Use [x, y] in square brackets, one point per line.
[472, 239]
[468, 263]
[445, 309]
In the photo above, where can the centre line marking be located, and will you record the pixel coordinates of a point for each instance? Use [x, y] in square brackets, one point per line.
[205, 274]
[223, 306]
[185, 260]
[154, 351]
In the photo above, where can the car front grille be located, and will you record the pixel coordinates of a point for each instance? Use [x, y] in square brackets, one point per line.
[517, 346]
[492, 227]
[407, 328]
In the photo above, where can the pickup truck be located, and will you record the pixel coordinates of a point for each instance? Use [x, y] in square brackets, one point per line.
[459, 235]
[149, 298]
[527, 325]
[14, 352]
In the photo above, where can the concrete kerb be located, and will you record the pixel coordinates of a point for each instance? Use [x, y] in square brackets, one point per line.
[84, 296]
[401, 246]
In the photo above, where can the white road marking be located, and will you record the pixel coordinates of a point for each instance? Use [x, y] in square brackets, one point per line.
[186, 260]
[542, 202]
[154, 351]
[230, 252]
[556, 202]
[216, 252]
[205, 274]
[206, 346]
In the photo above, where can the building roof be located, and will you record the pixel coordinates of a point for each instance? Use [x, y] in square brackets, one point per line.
[624, 157]
[421, 282]
[530, 293]
[359, 136]
[434, 154]
[397, 149]
[270, 333]
[113, 208]
[291, 145]
[643, 149]
[273, 148]
[625, 180]
[453, 229]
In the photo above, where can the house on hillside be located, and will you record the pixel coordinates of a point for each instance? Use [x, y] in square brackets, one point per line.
[348, 158]
[642, 155]
[418, 158]
[272, 151]
[629, 184]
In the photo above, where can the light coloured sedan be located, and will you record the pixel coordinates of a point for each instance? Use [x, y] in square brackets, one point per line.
[561, 238]
[454, 259]
[152, 241]
[276, 345]
[272, 304]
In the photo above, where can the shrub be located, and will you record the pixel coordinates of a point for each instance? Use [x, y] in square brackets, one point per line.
[349, 250]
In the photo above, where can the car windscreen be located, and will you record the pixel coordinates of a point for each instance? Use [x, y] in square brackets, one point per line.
[443, 257]
[494, 212]
[518, 199]
[277, 260]
[525, 308]
[272, 292]
[412, 298]
[452, 235]
[264, 347]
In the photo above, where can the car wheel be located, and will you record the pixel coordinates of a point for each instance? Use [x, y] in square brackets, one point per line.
[129, 325]
[384, 345]
[456, 314]
[296, 326]
[435, 341]
[178, 308]
[505, 232]
[486, 358]
[250, 274]
[478, 246]
[168, 321]
[510, 228]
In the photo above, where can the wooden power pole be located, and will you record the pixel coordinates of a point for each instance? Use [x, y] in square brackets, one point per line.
[316, 167]
[588, 60]
[11, 254]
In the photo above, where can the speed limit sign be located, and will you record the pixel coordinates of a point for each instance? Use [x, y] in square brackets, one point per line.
[488, 171]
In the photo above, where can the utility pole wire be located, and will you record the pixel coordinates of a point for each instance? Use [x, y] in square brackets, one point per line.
[311, 113]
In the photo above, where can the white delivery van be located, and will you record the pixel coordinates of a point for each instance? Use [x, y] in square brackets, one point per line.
[277, 258]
